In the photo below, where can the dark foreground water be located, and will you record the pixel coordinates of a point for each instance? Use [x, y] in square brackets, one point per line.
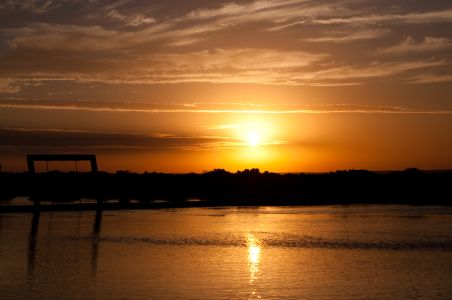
[329, 252]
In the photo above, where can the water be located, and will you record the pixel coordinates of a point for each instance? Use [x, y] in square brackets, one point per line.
[328, 252]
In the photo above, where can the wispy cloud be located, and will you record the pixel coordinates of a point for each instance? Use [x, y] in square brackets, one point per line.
[430, 78]
[259, 10]
[438, 16]
[229, 66]
[35, 6]
[347, 36]
[194, 23]
[261, 66]
[9, 86]
[70, 139]
[409, 45]
[222, 127]
[212, 108]
[375, 69]
[281, 42]
[233, 8]
[74, 38]
[59, 139]
[130, 20]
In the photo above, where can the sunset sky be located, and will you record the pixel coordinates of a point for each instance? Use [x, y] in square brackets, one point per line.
[188, 86]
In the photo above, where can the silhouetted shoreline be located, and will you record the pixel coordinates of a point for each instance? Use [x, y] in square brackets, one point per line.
[126, 190]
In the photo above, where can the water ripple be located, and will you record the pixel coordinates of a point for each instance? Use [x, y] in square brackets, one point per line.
[285, 242]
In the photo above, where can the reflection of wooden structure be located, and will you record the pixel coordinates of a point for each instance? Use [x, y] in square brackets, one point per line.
[60, 157]
[33, 240]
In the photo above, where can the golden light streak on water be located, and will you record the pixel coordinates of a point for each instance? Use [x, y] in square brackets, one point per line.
[254, 255]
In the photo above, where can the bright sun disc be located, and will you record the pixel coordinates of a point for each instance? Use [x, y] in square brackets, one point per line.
[253, 139]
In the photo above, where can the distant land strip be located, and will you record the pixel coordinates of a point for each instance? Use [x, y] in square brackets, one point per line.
[126, 190]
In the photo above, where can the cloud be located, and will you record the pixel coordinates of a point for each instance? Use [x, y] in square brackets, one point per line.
[438, 16]
[375, 69]
[183, 30]
[345, 37]
[71, 139]
[96, 38]
[222, 127]
[115, 4]
[281, 42]
[409, 45]
[277, 12]
[184, 42]
[261, 66]
[430, 78]
[132, 20]
[234, 9]
[35, 6]
[74, 38]
[211, 108]
[246, 59]
[9, 86]
[257, 66]
[61, 140]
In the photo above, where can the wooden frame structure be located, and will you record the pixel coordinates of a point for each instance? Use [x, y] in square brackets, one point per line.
[31, 158]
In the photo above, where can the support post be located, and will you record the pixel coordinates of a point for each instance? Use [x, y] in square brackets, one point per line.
[93, 165]
[31, 164]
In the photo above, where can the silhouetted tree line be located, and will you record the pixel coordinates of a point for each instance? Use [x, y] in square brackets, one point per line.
[248, 187]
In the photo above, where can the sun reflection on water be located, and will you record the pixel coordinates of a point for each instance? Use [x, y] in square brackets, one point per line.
[254, 255]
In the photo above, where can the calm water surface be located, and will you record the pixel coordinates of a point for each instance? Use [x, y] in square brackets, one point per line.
[329, 252]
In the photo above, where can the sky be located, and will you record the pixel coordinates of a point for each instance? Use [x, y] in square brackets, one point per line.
[189, 86]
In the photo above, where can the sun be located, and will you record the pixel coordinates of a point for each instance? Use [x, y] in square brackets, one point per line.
[254, 134]
[253, 139]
